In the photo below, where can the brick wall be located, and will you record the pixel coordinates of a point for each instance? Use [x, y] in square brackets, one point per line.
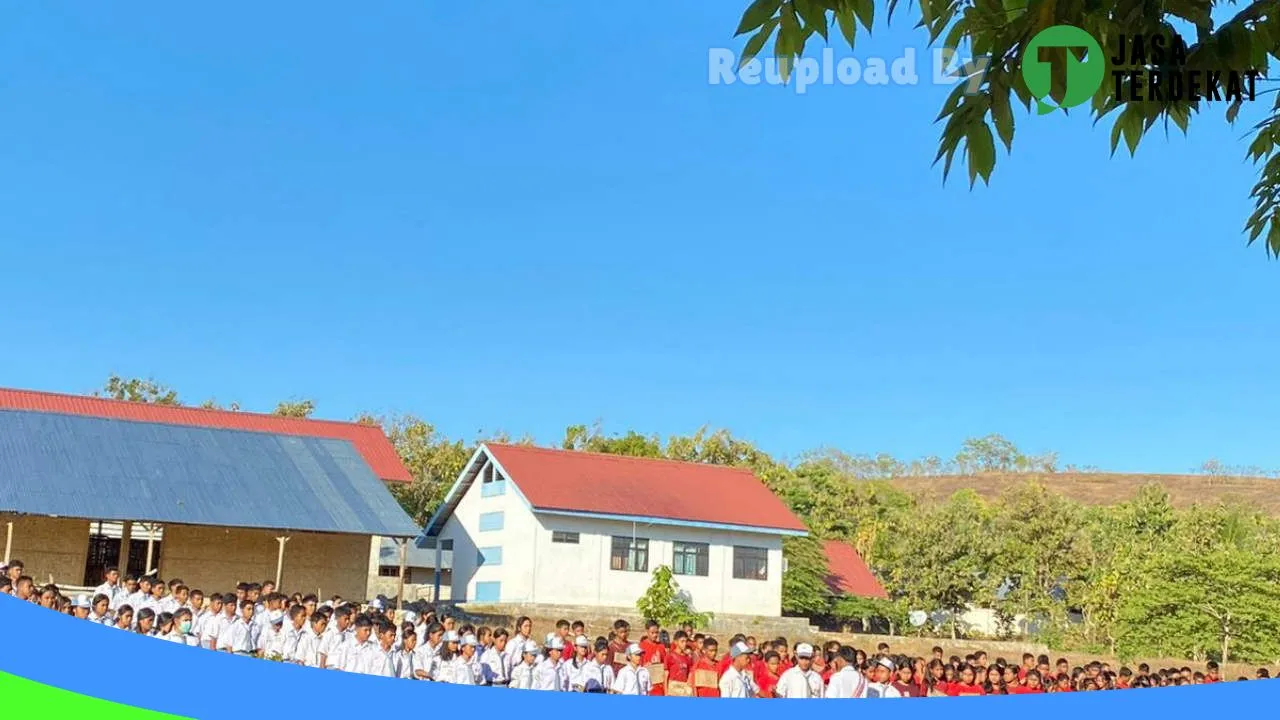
[215, 559]
[49, 546]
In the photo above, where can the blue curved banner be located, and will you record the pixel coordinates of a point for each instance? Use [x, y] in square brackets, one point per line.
[46, 659]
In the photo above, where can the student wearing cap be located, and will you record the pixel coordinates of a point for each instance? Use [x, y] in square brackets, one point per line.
[882, 678]
[465, 668]
[580, 663]
[494, 669]
[801, 681]
[443, 664]
[847, 681]
[550, 673]
[522, 673]
[81, 607]
[737, 682]
[633, 678]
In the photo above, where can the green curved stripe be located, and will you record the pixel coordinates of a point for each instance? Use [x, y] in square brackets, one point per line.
[19, 694]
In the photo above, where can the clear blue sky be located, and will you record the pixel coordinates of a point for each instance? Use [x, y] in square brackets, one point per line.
[518, 216]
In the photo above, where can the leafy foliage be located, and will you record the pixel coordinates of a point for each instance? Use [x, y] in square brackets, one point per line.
[1001, 30]
[664, 602]
[296, 408]
[138, 390]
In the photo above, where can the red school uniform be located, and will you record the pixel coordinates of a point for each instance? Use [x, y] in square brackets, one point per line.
[1024, 690]
[767, 682]
[654, 653]
[678, 665]
[961, 690]
[705, 664]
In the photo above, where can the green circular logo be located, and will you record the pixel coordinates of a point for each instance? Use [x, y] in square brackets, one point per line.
[1083, 78]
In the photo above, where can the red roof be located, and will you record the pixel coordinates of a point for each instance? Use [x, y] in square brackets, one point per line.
[642, 487]
[368, 440]
[848, 574]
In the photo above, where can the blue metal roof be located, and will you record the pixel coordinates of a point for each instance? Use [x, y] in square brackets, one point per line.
[104, 469]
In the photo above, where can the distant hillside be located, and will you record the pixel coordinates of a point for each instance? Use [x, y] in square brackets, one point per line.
[1103, 488]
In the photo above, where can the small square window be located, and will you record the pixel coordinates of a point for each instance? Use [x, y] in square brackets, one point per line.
[568, 538]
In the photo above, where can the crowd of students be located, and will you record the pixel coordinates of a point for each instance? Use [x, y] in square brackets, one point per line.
[257, 621]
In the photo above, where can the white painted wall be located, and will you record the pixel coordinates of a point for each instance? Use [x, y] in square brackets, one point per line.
[536, 571]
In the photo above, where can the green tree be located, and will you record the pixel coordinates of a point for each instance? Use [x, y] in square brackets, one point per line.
[1227, 606]
[1040, 543]
[138, 390]
[1249, 39]
[295, 408]
[664, 602]
[433, 460]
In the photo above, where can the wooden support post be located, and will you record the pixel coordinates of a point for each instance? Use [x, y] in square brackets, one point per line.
[404, 556]
[8, 543]
[280, 561]
[126, 541]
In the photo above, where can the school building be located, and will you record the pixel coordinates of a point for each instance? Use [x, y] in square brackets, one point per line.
[533, 526]
[208, 496]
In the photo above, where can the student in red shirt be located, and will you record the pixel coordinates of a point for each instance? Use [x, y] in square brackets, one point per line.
[679, 660]
[904, 684]
[1064, 684]
[1032, 686]
[768, 679]
[1211, 673]
[707, 663]
[653, 654]
[968, 684]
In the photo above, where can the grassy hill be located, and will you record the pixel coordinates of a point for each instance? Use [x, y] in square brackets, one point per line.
[1102, 488]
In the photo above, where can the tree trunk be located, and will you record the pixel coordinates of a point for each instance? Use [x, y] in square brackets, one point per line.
[1226, 642]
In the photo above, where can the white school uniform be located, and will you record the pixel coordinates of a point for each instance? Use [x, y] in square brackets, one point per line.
[290, 638]
[462, 671]
[593, 677]
[168, 604]
[847, 683]
[882, 690]
[115, 594]
[332, 646]
[353, 654]
[735, 684]
[134, 600]
[375, 661]
[797, 683]
[406, 663]
[549, 674]
[494, 668]
[307, 651]
[101, 619]
[632, 681]
[239, 637]
[514, 649]
[522, 676]
[174, 637]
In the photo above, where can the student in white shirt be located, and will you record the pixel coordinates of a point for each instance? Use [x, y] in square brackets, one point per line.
[550, 672]
[182, 625]
[579, 663]
[241, 635]
[522, 673]
[882, 687]
[111, 588]
[175, 600]
[494, 667]
[405, 657]
[376, 659]
[515, 648]
[360, 643]
[736, 682]
[205, 623]
[81, 607]
[294, 627]
[101, 612]
[271, 635]
[632, 678]
[596, 676]
[137, 589]
[465, 666]
[801, 681]
[124, 617]
[846, 681]
[337, 635]
[308, 649]
[152, 601]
